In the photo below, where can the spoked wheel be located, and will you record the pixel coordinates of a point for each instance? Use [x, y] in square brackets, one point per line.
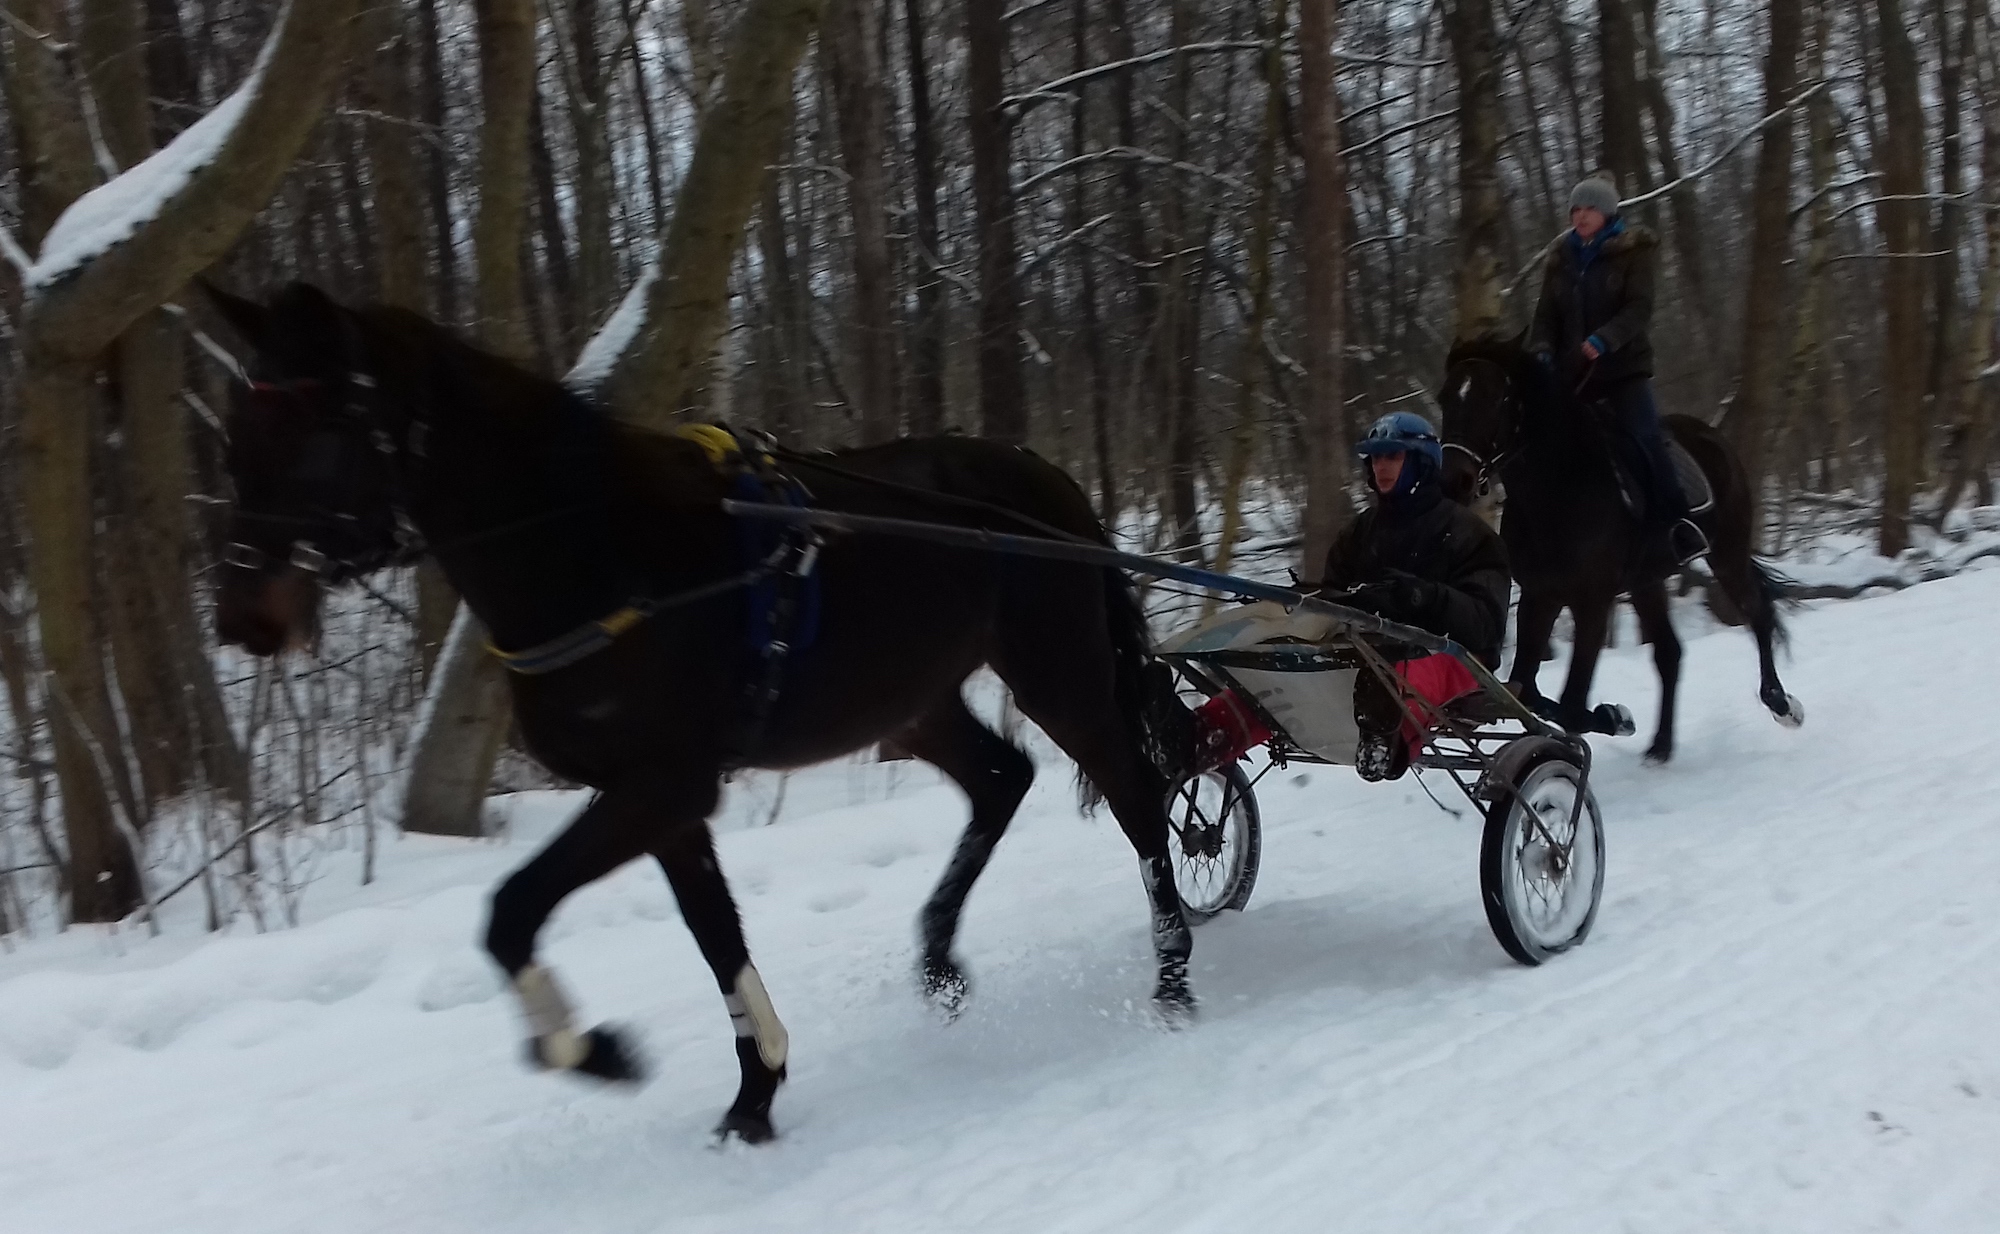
[1217, 841]
[1540, 874]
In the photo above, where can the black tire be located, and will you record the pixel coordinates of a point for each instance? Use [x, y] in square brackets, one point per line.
[1216, 841]
[1517, 866]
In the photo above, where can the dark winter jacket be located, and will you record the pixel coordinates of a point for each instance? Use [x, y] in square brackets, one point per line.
[1601, 291]
[1442, 542]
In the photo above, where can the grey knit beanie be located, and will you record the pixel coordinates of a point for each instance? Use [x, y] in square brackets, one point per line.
[1598, 194]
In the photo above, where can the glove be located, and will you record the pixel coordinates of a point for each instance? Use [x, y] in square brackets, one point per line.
[1411, 597]
[1376, 598]
[1546, 359]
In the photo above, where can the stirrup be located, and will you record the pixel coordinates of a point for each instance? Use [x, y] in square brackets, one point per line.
[1686, 541]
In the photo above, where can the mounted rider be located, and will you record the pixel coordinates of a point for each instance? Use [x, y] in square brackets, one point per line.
[1590, 332]
[1420, 559]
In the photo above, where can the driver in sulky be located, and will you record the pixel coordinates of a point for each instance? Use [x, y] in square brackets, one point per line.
[1416, 558]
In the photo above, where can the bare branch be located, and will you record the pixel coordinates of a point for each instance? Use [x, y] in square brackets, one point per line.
[1728, 150]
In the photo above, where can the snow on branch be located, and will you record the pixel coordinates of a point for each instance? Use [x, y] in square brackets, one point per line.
[1728, 150]
[1063, 85]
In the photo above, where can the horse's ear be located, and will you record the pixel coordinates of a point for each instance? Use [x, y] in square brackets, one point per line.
[249, 319]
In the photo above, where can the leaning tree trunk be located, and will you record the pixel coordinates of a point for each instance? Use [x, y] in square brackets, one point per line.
[467, 695]
[1899, 157]
[1750, 416]
[1478, 298]
[680, 308]
[89, 286]
[1003, 396]
[1320, 233]
[1622, 150]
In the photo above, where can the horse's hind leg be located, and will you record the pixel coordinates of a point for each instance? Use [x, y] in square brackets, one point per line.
[605, 836]
[1656, 626]
[1755, 595]
[994, 776]
[1072, 695]
[687, 855]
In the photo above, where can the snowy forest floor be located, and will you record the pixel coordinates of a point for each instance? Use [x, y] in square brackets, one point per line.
[1784, 1020]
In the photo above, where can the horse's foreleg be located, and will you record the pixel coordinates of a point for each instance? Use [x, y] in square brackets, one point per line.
[1534, 622]
[994, 776]
[1656, 627]
[601, 839]
[687, 855]
[1573, 710]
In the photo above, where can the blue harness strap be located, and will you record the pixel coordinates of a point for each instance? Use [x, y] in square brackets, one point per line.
[756, 542]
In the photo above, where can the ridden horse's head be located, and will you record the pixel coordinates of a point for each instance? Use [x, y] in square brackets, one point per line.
[1485, 381]
[314, 460]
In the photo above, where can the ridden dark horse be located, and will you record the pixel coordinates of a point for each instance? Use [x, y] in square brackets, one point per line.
[370, 438]
[1573, 543]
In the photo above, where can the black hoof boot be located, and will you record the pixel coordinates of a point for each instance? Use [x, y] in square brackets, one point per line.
[749, 1119]
[605, 1055]
[944, 986]
[1659, 754]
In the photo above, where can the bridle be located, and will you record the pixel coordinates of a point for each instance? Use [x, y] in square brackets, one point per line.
[362, 407]
[1505, 448]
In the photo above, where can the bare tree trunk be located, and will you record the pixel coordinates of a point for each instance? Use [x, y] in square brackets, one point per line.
[643, 96]
[438, 181]
[1749, 425]
[1086, 269]
[1321, 234]
[1689, 245]
[1003, 396]
[1808, 376]
[850, 51]
[1900, 158]
[1243, 438]
[1973, 433]
[1622, 148]
[1945, 312]
[596, 267]
[1478, 295]
[927, 331]
[454, 757]
[392, 158]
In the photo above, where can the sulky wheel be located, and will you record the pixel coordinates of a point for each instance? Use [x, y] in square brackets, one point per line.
[1540, 875]
[1216, 841]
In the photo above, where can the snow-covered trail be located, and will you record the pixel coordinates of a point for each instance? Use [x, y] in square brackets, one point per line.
[1785, 1020]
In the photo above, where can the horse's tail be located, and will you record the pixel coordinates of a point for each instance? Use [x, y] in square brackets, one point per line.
[1777, 590]
[1144, 687]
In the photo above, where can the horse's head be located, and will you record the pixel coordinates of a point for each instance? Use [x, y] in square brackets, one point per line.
[1481, 400]
[314, 460]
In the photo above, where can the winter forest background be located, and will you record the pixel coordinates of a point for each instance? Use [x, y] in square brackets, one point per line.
[1187, 248]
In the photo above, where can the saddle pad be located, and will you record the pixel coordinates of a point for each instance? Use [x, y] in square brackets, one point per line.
[1694, 481]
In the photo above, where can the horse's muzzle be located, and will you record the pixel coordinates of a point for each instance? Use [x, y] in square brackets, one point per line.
[266, 613]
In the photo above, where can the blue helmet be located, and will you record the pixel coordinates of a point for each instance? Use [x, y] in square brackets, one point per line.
[1403, 432]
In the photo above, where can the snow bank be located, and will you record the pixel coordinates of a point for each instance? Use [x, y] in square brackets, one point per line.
[601, 354]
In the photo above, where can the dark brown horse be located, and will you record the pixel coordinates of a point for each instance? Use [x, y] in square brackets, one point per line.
[1573, 544]
[370, 438]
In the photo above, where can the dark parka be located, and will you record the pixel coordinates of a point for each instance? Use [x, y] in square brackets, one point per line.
[1604, 290]
[1439, 541]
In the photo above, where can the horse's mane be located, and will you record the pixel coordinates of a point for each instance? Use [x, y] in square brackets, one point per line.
[1505, 350]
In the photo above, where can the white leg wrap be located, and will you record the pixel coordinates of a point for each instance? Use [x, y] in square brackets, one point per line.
[751, 1013]
[550, 1021]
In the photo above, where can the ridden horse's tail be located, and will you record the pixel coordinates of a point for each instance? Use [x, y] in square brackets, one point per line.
[1145, 686]
[1776, 589]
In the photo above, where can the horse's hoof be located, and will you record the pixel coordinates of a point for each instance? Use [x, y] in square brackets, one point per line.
[1658, 755]
[1793, 715]
[602, 1054]
[1614, 719]
[1175, 1005]
[748, 1127]
[945, 989]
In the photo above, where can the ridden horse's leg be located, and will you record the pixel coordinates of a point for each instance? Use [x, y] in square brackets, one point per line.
[1755, 595]
[995, 776]
[687, 854]
[1656, 626]
[1534, 622]
[605, 836]
[1573, 710]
